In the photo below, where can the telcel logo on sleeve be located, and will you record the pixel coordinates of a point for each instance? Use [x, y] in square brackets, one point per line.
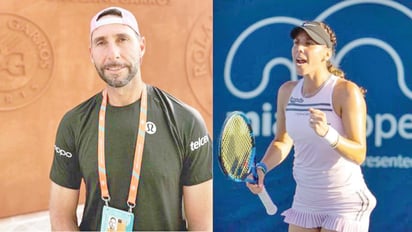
[194, 145]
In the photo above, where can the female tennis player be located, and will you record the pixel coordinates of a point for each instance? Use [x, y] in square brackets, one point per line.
[323, 116]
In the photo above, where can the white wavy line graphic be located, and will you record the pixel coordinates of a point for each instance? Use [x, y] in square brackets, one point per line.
[339, 56]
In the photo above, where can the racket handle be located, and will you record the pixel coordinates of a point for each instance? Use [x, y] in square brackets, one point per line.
[271, 208]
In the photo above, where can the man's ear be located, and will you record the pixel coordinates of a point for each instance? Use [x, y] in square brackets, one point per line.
[90, 54]
[142, 48]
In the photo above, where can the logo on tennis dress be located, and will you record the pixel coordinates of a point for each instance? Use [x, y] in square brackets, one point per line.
[296, 100]
[62, 152]
[150, 128]
[194, 145]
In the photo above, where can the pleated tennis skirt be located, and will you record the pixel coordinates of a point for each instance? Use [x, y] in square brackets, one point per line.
[345, 212]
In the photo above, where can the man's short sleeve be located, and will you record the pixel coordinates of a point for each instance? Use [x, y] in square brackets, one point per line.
[65, 170]
[198, 158]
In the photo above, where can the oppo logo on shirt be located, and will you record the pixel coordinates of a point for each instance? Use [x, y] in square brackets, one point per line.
[62, 152]
[194, 145]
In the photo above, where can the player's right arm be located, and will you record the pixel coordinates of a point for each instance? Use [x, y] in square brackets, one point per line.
[63, 206]
[281, 145]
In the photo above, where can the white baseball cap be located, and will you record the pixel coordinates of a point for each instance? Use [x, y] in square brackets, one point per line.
[125, 17]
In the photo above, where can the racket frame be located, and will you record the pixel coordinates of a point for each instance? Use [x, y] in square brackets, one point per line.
[252, 157]
[270, 207]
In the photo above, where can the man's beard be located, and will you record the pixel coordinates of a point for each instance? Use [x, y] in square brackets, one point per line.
[115, 81]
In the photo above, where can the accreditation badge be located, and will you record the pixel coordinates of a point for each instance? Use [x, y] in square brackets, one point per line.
[116, 220]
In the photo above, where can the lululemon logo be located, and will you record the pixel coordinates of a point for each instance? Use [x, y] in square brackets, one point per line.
[150, 128]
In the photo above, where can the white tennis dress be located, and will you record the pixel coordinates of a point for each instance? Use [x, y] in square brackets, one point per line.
[331, 191]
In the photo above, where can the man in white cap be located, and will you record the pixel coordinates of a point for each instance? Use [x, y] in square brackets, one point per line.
[140, 152]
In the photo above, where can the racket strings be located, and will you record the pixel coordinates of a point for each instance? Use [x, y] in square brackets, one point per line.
[236, 148]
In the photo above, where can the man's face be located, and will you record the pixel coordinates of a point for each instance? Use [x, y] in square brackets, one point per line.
[112, 223]
[116, 51]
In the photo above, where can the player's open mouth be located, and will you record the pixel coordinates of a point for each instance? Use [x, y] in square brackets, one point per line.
[300, 61]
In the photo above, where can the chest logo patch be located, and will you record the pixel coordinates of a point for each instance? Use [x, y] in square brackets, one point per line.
[150, 128]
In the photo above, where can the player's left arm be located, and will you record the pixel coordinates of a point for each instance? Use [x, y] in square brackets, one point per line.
[351, 105]
[198, 206]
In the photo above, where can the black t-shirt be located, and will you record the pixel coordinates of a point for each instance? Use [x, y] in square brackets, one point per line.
[177, 153]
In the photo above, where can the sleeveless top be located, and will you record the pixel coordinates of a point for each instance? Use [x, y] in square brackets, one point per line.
[322, 175]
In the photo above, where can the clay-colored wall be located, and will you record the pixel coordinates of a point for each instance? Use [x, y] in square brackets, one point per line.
[45, 70]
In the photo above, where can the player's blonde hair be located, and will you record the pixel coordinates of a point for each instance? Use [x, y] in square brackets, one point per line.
[331, 67]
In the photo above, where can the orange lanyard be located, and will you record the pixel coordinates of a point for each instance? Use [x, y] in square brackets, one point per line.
[138, 154]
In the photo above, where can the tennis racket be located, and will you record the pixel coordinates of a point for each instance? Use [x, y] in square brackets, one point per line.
[237, 154]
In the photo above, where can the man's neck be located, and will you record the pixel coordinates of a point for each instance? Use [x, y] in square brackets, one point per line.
[125, 95]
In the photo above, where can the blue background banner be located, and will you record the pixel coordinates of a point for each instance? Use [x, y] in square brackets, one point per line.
[252, 58]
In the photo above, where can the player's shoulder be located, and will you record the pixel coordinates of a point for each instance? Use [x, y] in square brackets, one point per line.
[286, 88]
[289, 85]
[345, 87]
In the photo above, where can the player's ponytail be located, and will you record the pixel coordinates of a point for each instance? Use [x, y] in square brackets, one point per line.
[335, 70]
[332, 68]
